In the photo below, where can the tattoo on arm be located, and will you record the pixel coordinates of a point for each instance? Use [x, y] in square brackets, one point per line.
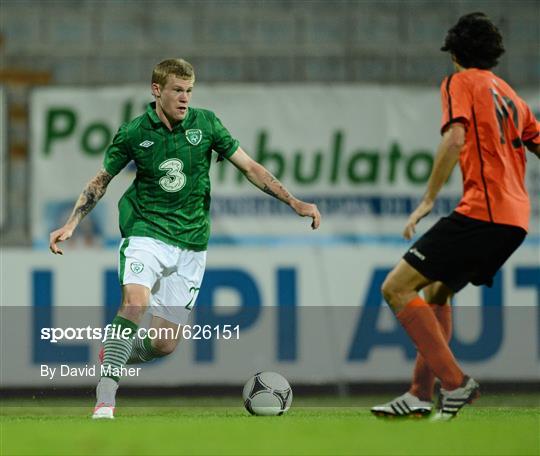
[90, 196]
[267, 190]
[283, 195]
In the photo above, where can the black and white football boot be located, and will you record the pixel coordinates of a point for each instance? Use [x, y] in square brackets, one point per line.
[406, 405]
[451, 401]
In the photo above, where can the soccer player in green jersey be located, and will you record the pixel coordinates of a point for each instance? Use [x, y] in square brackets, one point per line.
[164, 218]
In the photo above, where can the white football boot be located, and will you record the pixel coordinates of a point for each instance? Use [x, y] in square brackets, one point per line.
[404, 405]
[451, 401]
[103, 411]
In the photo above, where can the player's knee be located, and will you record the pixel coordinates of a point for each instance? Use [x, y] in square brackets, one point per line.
[132, 313]
[389, 290]
[133, 306]
[164, 346]
[393, 294]
[135, 298]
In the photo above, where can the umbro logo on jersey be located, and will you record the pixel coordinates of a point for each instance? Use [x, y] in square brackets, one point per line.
[194, 136]
[146, 143]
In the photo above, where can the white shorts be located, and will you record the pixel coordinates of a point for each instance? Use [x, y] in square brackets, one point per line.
[173, 275]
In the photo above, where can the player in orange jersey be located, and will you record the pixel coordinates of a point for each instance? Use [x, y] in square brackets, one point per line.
[486, 127]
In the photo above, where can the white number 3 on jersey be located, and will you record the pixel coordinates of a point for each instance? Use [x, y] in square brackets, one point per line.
[175, 179]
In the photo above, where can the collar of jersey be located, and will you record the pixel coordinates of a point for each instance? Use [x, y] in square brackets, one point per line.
[151, 111]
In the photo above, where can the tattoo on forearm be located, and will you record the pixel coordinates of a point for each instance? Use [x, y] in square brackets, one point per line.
[88, 201]
[267, 190]
[283, 195]
[91, 195]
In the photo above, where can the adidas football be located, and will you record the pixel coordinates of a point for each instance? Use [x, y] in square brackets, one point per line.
[267, 394]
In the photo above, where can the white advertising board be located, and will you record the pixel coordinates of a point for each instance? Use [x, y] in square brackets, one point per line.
[315, 314]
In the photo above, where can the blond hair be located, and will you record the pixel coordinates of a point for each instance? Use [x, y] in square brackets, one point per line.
[177, 67]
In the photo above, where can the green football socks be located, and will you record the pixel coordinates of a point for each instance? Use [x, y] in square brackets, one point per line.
[117, 347]
[142, 351]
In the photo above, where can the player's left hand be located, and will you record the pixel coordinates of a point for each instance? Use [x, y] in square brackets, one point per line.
[423, 209]
[60, 235]
[307, 210]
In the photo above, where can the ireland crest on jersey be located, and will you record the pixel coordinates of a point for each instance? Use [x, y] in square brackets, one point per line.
[194, 136]
[137, 267]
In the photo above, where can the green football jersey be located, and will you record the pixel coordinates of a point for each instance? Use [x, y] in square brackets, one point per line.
[169, 199]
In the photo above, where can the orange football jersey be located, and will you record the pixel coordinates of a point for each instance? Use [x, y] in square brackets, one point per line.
[498, 124]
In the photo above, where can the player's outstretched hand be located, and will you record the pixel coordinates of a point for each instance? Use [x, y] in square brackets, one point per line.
[61, 234]
[307, 210]
[423, 209]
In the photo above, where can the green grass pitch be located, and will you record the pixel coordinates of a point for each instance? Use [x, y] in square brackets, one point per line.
[501, 425]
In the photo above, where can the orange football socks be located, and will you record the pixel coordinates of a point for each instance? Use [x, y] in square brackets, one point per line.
[423, 328]
[423, 379]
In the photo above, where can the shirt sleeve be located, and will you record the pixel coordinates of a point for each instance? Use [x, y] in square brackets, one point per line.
[223, 143]
[456, 102]
[117, 155]
[531, 127]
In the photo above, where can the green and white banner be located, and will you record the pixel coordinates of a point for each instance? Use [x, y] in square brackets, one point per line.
[362, 152]
[3, 156]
